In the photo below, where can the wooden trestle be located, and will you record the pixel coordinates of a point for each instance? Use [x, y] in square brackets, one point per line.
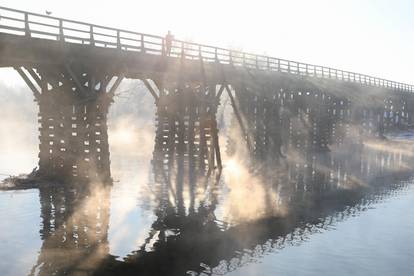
[187, 133]
[276, 118]
[73, 106]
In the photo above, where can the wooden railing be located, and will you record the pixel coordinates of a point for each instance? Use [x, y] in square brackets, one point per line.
[48, 27]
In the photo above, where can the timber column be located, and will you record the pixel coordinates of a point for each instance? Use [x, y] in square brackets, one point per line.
[257, 111]
[187, 131]
[73, 106]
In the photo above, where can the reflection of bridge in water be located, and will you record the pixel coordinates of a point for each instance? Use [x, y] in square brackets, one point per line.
[74, 69]
[190, 233]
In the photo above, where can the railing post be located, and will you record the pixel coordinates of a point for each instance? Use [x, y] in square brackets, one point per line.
[61, 34]
[244, 59]
[257, 62]
[118, 39]
[278, 65]
[307, 72]
[163, 47]
[268, 63]
[142, 44]
[91, 38]
[182, 50]
[26, 25]
[216, 55]
[231, 57]
[288, 66]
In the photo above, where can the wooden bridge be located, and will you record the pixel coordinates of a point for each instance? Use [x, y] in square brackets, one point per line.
[74, 69]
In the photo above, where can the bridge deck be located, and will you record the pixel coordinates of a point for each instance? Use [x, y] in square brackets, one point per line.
[32, 38]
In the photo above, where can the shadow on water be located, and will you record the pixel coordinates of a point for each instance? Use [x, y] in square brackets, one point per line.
[197, 230]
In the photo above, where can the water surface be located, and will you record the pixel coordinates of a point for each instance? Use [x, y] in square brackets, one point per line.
[333, 213]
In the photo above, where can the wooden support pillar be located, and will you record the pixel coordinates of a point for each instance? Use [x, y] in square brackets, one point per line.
[186, 114]
[239, 119]
[72, 116]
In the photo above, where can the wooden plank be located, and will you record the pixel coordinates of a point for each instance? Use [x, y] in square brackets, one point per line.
[34, 76]
[216, 143]
[36, 92]
[118, 81]
[151, 90]
[239, 118]
[220, 92]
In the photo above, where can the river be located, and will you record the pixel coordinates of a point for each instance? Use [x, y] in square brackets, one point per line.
[323, 214]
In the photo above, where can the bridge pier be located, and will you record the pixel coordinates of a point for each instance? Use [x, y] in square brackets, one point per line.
[396, 113]
[339, 113]
[257, 110]
[299, 115]
[307, 121]
[187, 133]
[73, 107]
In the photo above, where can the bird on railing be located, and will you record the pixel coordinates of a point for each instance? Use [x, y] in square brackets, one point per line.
[48, 12]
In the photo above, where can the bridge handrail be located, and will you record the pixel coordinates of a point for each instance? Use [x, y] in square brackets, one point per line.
[30, 24]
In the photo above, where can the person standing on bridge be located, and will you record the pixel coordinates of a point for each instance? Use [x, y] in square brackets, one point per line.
[168, 42]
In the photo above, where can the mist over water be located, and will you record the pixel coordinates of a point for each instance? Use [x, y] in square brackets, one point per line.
[18, 130]
[347, 211]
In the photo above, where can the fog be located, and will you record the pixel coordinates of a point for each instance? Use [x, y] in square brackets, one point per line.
[18, 130]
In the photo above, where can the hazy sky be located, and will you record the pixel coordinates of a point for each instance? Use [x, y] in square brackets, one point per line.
[374, 37]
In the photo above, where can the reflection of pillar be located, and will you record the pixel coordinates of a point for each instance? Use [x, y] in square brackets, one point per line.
[185, 149]
[74, 230]
[186, 200]
[73, 106]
